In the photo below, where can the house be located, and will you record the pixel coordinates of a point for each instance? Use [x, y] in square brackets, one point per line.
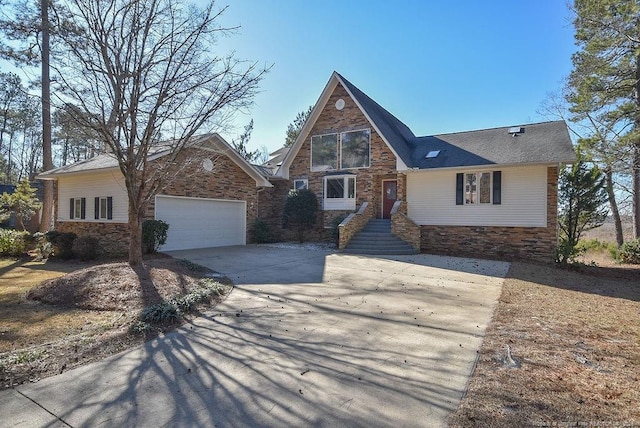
[210, 202]
[485, 193]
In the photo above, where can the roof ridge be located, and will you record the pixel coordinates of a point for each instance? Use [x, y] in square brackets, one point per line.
[490, 129]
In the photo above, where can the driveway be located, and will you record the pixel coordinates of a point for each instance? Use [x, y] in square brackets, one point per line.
[307, 338]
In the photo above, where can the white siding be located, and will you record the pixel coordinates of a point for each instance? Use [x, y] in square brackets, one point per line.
[431, 199]
[91, 185]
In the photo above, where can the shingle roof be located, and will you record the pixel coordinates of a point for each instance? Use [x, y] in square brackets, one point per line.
[546, 142]
[392, 129]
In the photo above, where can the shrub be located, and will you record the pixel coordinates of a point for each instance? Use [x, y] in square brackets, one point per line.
[44, 248]
[62, 243]
[160, 313]
[13, 243]
[154, 234]
[260, 231]
[300, 211]
[86, 248]
[629, 252]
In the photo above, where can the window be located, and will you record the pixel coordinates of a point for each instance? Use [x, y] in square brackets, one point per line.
[103, 208]
[77, 208]
[355, 149]
[300, 184]
[324, 152]
[340, 192]
[347, 150]
[474, 188]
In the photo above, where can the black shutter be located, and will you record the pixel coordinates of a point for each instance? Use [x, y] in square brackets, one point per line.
[497, 187]
[71, 208]
[83, 208]
[96, 208]
[109, 208]
[459, 188]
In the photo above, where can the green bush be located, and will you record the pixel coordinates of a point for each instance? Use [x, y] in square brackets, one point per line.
[13, 243]
[62, 243]
[629, 252]
[300, 211]
[86, 248]
[161, 313]
[154, 234]
[44, 248]
[596, 245]
[260, 231]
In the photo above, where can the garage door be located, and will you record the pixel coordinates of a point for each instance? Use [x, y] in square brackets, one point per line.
[201, 223]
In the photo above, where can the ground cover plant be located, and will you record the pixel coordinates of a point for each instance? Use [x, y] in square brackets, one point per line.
[61, 314]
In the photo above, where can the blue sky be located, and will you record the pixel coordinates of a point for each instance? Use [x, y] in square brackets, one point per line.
[439, 66]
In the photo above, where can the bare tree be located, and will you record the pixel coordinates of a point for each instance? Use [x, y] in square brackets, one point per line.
[144, 70]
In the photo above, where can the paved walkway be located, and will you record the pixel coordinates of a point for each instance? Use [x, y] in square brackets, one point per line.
[307, 338]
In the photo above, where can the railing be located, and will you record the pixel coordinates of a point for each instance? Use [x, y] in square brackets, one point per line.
[403, 227]
[353, 224]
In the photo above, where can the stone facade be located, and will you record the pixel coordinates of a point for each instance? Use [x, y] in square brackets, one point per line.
[368, 180]
[403, 227]
[504, 243]
[353, 224]
[226, 181]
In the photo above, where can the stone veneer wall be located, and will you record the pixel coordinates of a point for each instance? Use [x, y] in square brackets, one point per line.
[506, 243]
[353, 224]
[113, 237]
[403, 227]
[226, 181]
[368, 180]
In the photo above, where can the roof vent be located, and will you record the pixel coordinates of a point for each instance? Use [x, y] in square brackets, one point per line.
[515, 130]
[432, 154]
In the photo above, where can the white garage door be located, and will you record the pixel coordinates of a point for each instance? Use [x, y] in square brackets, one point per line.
[201, 223]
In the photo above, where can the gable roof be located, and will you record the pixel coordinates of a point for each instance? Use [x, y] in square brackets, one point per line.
[546, 142]
[212, 142]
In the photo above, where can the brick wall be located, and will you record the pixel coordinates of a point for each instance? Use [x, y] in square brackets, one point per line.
[505, 243]
[354, 224]
[403, 227]
[368, 180]
[226, 181]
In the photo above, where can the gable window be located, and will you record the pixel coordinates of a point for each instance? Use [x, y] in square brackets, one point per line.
[473, 188]
[324, 152]
[339, 192]
[103, 208]
[355, 147]
[347, 150]
[77, 208]
[300, 184]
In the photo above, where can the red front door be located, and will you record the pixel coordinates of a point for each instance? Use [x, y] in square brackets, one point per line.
[389, 196]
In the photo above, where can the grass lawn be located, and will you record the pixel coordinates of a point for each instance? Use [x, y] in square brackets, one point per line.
[563, 349]
[83, 311]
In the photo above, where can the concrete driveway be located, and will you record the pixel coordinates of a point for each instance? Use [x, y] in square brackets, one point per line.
[307, 338]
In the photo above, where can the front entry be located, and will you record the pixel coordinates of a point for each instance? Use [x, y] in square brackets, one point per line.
[389, 196]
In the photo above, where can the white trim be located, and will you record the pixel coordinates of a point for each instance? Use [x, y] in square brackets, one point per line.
[304, 180]
[344, 203]
[200, 199]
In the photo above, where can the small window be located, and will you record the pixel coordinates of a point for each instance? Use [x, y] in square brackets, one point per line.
[77, 208]
[300, 184]
[340, 193]
[103, 208]
[432, 154]
[474, 188]
[470, 189]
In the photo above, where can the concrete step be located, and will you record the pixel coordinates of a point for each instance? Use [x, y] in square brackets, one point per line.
[376, 239]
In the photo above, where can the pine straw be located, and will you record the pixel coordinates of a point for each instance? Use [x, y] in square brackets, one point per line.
[85, 315]
[574, 338]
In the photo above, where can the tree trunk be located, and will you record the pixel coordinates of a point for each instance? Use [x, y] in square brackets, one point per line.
[135, 235]
[47, 158]
[613, 204]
